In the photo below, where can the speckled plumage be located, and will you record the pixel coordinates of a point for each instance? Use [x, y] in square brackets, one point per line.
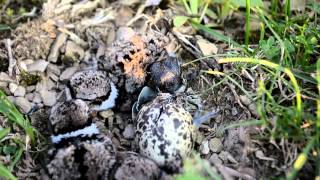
[136, 167]
[90, 85]
[85, 159]
[68, 116]
[165, 132]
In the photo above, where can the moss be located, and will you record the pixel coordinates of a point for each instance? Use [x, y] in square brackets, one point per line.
[29, 79]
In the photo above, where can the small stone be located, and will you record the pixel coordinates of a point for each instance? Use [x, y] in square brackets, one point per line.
[125, 33]
[253, 109]
[11, 99]
[48, 97]
[53, 77]
[74, 51]
[20, 91]
[13, 87]
[67, 73]
[204, 148]
[3, 84]
[30, 88]
[245, 100]
[55, 48]
[38, 66]
[5, 77]
[106, 114]
[37, 98]
[53, 68]
[128, 132]
[23, 66]
[214, 159]
[224, 156]
[29, 96]
[206, 47]
[23, 104]
[234, 111]
[199, 137]
[215, 145]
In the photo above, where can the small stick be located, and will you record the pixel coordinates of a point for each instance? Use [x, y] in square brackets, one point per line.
[12, 61]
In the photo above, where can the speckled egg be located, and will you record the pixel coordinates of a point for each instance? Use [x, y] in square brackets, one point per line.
[90, 84]
[81, 159]
[165, 132]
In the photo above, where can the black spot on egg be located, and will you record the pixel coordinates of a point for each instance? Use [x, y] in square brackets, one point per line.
[176, 123]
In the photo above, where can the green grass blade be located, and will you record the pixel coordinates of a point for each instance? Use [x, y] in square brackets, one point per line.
[276, 67]
[247, 32]
[4, 132]
[4, 172]
[194, 5]
[318, 101]
[246, 123]
[10, 111]
[17, 157]
[4, 27]
[215, 34]
[301, 159]
[185, 3]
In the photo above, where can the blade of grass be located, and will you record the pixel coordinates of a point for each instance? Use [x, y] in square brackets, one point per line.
[282, 46]
[185, 3]
[301, 159]
[246, 123]
[247, 32]
[194, 5]
[288, 9]
[4, 172]
[230, 79]
[17, 157]
[276, 67]
[215, 34]
[4, 132]
[10, 111]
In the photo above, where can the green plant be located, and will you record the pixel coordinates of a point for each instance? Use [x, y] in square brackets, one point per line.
[10, 146]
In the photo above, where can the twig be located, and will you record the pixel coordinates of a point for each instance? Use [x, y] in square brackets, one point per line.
[12, 61]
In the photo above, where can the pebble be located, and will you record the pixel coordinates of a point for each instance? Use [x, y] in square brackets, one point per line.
[206, 47]
[214, 159]
[74, 51]
[52, 76]
[48, 97]
[38, 66]
[3, 84]
[13, 87]
[234, 111]
[53, 68]
[23, 104]
[215, 145]
[11, 99]
[20, 91]
[224, 156]
[67, 73]
[253, 109]
[30, 88]
[128, 132]
[106, 114]
[245, 100]
[54, 51]
[29, 96]
[124, 33]
[199, 137]
[5, 77]
[204, 148]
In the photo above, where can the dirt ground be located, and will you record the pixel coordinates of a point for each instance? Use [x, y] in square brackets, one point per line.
[123, 38]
